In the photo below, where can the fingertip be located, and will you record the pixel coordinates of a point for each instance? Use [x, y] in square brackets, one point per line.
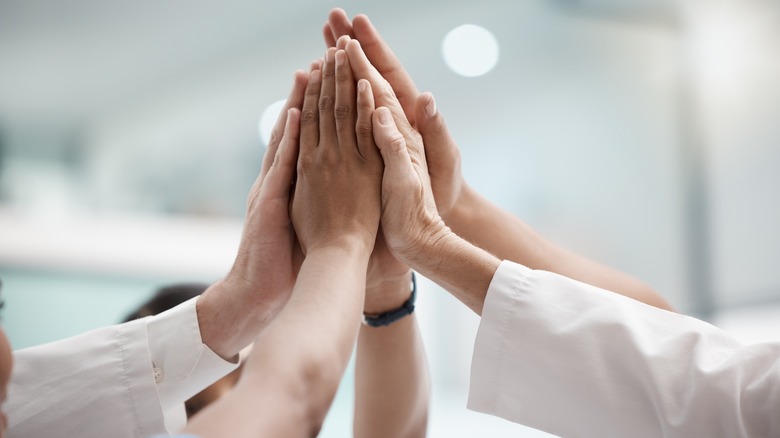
[300, 77]
[316, 76]
[361, 19]
[429, 105]
[364, 86]
[337, 13]
[327, 34]
[342, 41]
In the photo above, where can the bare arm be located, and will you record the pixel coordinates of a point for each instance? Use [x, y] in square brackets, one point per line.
[485, 224]
[391, 373]
[292, 375]
[233, 311]
[465, 211]
[290, 379]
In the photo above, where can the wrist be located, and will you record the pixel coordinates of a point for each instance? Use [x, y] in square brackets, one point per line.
[460, 216]
[388, 317]
[427, 246]
[228, 319]
[346, 244]
[388, 293]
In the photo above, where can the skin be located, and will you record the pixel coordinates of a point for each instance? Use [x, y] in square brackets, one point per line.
[234, 310]
[466, 212]
[292, 374]
[392, 384]
[211, 394]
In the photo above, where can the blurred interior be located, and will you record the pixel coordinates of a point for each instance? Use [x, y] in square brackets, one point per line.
[638, 133]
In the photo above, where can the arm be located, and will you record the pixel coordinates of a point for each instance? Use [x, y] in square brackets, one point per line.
[233, 311]
[468, 214]
[570, 358]
[294, 369]
[188, 348]
[391, 373]
[613, 366]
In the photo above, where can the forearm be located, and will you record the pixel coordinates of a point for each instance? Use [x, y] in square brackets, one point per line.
[391, 379]
[488, 226]
[229, 322]
[297, 361]
[456, 265]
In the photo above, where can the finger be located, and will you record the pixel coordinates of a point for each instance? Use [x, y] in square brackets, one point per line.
[280, 175]
[344, 111]
[339, 23]
[328, 96]
[430, 124]
[363, 127]
[327, 35]
[341, 44]
[294, 100]
[392, 145]
[385, 61]
[310, 128]
[383, 93]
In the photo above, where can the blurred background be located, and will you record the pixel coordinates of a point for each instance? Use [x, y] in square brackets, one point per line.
[639, 133]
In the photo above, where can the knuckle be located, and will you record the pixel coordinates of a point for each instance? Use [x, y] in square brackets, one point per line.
[326, 103]
[305, 163]
[364, 129]
[386, 91]
[274, 138]
[342, 112]
[313, 90]
[396, 141]
[308, 116]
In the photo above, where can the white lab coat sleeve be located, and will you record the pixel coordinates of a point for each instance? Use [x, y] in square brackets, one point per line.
[575, 360]
[127, 380]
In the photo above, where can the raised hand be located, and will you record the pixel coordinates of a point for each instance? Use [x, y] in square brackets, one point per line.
[263, 273]
[443, 155]
[337, 190]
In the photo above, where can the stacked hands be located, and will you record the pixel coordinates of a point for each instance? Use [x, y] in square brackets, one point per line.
[363, 180]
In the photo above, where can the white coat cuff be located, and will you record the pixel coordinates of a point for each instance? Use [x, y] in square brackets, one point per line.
[497, 313]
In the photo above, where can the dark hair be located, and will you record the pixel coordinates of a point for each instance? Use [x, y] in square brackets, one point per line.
[166, 298]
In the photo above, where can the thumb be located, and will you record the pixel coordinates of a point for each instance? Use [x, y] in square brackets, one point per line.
[430, 124]
[391, 144]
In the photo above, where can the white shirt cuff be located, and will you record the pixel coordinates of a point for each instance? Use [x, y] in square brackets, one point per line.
[183, 366]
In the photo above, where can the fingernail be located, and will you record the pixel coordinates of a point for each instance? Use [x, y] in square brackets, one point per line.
[362, 85]
[315, 76]
[340, 58]
[385, 119]
[430, 108]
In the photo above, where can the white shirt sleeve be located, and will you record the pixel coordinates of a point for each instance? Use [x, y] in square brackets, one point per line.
[127, 380]
[575, 360]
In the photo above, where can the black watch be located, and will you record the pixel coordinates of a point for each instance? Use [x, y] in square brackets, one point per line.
[387, 318]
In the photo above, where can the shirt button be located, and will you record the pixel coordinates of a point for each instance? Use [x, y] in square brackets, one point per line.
[158, 373]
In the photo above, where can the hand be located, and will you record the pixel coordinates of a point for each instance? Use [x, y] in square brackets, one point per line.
[442, 153]
[411, 224]
[234, 310]
[387, 279]
[337, 194]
